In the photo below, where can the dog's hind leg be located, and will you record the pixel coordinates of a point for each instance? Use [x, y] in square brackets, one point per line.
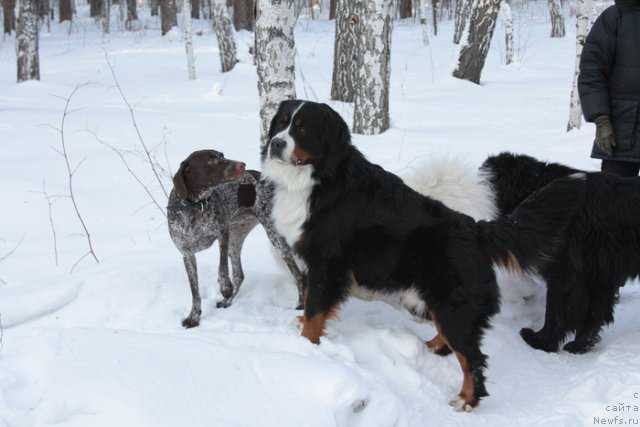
[192, 272]
[598, 312]
[462, 335]
[237, 235]
[226, 286]
[554, 329]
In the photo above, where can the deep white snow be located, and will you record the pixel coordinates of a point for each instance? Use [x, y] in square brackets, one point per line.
[103, 345]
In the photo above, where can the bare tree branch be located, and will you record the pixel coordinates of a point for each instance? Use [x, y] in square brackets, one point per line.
[53, 228]
[135, 126]
[121, 154]
[70, 172]
[8, 254]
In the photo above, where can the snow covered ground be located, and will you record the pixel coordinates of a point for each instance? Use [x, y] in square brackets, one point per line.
[103, 345]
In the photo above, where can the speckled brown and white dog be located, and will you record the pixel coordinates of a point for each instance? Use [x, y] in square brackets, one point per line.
[217, 199]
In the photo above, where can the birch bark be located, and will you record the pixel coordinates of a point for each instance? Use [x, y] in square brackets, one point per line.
[188, 41]
[507, 19]
[371, 112]
[557, 20]
[583, 23]
[27, 55]
[346, 50]
[475, 46]
[224, 33]
[275, 58]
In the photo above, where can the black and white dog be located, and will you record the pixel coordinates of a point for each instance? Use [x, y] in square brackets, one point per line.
[350, 220]
[599, 253]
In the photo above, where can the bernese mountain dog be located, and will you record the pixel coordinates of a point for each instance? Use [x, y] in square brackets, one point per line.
[600, 251]
[351, 221]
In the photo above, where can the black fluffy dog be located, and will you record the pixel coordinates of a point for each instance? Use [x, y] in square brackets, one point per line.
[600, 252]
[350, 220]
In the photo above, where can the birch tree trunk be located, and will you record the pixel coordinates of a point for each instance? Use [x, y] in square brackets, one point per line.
[462, 16]
[346, 49]
[168, 15]
[474, 49]
[275, 58]
[423, 22]
[106, 16]
[557, 20]
[224, 33]
[583, 23]
[188, 42]
[27, 55]
[507, 19]
[371, 112]
[434, 12]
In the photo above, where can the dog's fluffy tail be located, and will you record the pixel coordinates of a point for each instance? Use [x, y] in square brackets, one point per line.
[535, 230]
[455, 183]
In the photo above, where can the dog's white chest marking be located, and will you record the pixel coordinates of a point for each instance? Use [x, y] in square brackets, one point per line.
[291, 198]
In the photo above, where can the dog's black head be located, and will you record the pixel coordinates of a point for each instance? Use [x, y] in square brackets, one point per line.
[304, 133]
[205, 169]
[515, 177]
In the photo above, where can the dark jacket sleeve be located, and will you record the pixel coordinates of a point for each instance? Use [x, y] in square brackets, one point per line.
[596, 63]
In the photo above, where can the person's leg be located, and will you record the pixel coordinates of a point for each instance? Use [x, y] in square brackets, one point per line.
[620, 168]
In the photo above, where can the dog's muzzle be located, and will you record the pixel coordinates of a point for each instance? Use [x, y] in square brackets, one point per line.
[277, 148]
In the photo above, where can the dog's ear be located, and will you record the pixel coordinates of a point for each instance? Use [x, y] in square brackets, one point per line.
[336, 128]
[178, 181]
[254, 174]
[335, 139]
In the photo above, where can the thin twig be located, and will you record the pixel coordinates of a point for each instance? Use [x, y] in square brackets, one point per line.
[53, 228]
[8, 254]
[81, 258]
[72, 172]
[131, 172]
[135, 125]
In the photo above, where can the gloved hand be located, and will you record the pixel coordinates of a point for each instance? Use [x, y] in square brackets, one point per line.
[604, 135]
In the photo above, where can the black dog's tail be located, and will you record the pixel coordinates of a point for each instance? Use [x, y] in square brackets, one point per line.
[534, 231]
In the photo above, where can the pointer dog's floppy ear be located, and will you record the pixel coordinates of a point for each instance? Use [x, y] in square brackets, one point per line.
[178, 181]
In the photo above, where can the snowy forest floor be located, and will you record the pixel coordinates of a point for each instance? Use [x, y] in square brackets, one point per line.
[103, 345]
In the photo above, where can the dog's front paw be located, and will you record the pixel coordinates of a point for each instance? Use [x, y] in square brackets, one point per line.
[225, 303]
[535, 340]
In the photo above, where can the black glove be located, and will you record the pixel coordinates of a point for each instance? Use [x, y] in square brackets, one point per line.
[604, 135]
